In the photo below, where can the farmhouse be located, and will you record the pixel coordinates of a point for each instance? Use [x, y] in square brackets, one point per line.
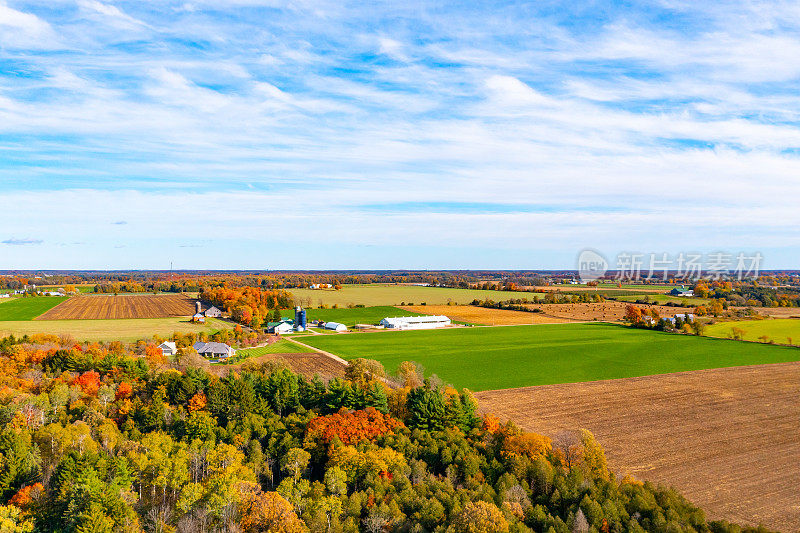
[685, 317]
[215, 350]
[5, 295]
[681, 291]
[416, 322]
[199, 317]
[335, 326]
[213, 312]
[168, 349]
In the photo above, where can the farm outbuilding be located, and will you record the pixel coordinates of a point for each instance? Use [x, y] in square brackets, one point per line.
[335, 326]
[681, 291]
[213, 312]
[416, 322]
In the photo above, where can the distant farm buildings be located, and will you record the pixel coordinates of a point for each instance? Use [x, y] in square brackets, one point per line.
[319, 286]
[681, 291]
[214, 350]
[335, 326]
[416, 322]
[200, 315]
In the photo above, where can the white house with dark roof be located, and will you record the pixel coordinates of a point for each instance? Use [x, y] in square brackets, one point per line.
[168, 349]
[214, 350]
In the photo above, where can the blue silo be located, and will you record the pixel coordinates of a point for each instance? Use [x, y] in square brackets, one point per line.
[300, 319]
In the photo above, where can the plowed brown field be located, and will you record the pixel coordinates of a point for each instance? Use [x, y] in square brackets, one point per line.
[608, 311]
[128, 306]
[729, 438]
[307, 364]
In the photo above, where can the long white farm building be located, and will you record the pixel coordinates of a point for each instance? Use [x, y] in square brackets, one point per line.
[416, 322]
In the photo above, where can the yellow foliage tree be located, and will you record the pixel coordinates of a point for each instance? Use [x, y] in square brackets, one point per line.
[268, 511]
[480, 517]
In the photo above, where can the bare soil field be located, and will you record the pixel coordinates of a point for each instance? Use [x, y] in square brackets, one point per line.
[608, 311]
[485, 316]
[780, 312]
[306, 364]
[127, 306]
[727, 438]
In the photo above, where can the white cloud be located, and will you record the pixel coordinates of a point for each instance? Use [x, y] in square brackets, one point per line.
[110, 14]
[24, 30]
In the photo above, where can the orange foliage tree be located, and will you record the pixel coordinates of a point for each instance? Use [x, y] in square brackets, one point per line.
[352, 427]
[198, 402]
[124, 390]
[89, 382]
[268, 511]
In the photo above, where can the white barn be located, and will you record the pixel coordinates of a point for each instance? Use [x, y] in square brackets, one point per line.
[213, 312]
[335, 326]
[416, 322]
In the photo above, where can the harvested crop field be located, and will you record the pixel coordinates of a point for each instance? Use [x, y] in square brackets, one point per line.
[113, 330]
[779, 312]
[307, 364]
[484, 316]
[726, 438]
[127, 306]
[607, 311]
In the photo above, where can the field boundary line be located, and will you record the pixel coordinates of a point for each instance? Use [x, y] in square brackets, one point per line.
[317, 350]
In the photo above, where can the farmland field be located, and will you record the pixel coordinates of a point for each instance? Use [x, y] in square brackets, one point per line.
[726, 438]
[607, 311]
[110, 330]
[128, 306]
[485, 358]
[281, 346]
[778, 330]
[663, 298]
[392, 295]
[28, 308]
[307, 364]
[486, 317]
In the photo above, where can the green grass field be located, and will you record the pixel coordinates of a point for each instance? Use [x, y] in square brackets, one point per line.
[126, 330]
[391, 295]
[517, 356]
[28, 308]
[778, 330]
[282, 346]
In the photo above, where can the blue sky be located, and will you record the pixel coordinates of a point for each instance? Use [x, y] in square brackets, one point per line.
[264, 134]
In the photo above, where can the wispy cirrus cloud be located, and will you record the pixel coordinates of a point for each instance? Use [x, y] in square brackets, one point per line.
[21, 242]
